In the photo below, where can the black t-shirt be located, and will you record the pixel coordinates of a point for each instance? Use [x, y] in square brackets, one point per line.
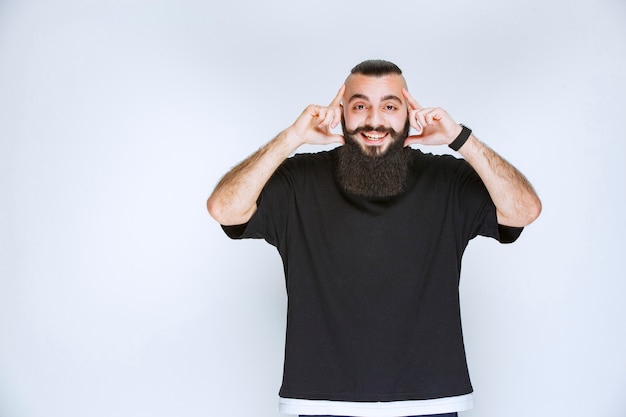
[373, 303]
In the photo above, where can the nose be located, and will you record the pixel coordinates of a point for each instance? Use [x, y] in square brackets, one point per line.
[375, 117]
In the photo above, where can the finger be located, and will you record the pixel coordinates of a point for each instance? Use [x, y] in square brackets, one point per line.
[413, 104]
[413, 139]
[313, 111]
[337, 100]
[433, 116]
[420, 117]
[414, 121]
[336, 116]
[428, 117]
[418, 127]
[337, 139]
[328, 119]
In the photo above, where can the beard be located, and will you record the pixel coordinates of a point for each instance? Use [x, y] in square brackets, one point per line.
[370, 172]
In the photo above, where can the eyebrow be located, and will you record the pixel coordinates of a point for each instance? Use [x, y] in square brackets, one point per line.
[364, 97]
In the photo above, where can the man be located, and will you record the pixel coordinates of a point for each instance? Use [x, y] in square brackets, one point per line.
[371, 235]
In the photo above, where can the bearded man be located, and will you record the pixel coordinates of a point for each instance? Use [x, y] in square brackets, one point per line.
[371, 235]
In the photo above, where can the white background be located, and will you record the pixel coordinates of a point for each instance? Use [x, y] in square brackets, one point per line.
[119, 296]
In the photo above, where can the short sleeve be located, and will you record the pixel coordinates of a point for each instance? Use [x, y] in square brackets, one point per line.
[508, 234]
[269, 221]
[477, 210]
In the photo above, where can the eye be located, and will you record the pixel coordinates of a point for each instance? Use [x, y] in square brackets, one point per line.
[359, 107]
[390, 107]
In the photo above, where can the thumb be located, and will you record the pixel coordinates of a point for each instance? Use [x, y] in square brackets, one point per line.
[410, 140]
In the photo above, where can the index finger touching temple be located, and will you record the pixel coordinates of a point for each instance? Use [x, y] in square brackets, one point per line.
[337, 100]
[413, 104]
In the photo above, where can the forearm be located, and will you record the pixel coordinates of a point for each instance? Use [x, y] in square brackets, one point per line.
[516, 202]
[234, 199]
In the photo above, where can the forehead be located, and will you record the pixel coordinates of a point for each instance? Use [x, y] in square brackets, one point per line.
[373, 88]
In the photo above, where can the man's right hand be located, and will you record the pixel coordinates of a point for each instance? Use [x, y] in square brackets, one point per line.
[313, 126]
[234, 199]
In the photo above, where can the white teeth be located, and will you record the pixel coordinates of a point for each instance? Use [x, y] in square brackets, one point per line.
[371, 137]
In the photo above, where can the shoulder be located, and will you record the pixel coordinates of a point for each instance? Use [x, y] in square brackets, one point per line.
[308, 162]
[439, 164]
[304, 168]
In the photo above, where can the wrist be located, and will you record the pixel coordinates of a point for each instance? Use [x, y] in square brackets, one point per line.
[461, 138]
[291, 139]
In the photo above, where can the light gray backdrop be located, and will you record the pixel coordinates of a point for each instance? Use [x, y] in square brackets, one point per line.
[119, 296]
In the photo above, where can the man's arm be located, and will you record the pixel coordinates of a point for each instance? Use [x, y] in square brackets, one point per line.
[516, 202]
[234, 199]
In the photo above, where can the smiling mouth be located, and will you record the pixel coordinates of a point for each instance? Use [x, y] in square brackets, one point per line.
[374, 137]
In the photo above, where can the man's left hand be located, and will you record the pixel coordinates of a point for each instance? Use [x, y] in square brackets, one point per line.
[433, 124]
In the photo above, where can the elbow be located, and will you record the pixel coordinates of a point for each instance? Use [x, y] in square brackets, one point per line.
[211, 207]
[227, 214]
[530, 213]
[535, 210]
[215, 209]
[532, 209]
[522, 215]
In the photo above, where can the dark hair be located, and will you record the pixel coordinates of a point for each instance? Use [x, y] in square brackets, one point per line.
[376, 68]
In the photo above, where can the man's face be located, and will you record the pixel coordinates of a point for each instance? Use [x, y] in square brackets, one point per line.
[373, 109]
